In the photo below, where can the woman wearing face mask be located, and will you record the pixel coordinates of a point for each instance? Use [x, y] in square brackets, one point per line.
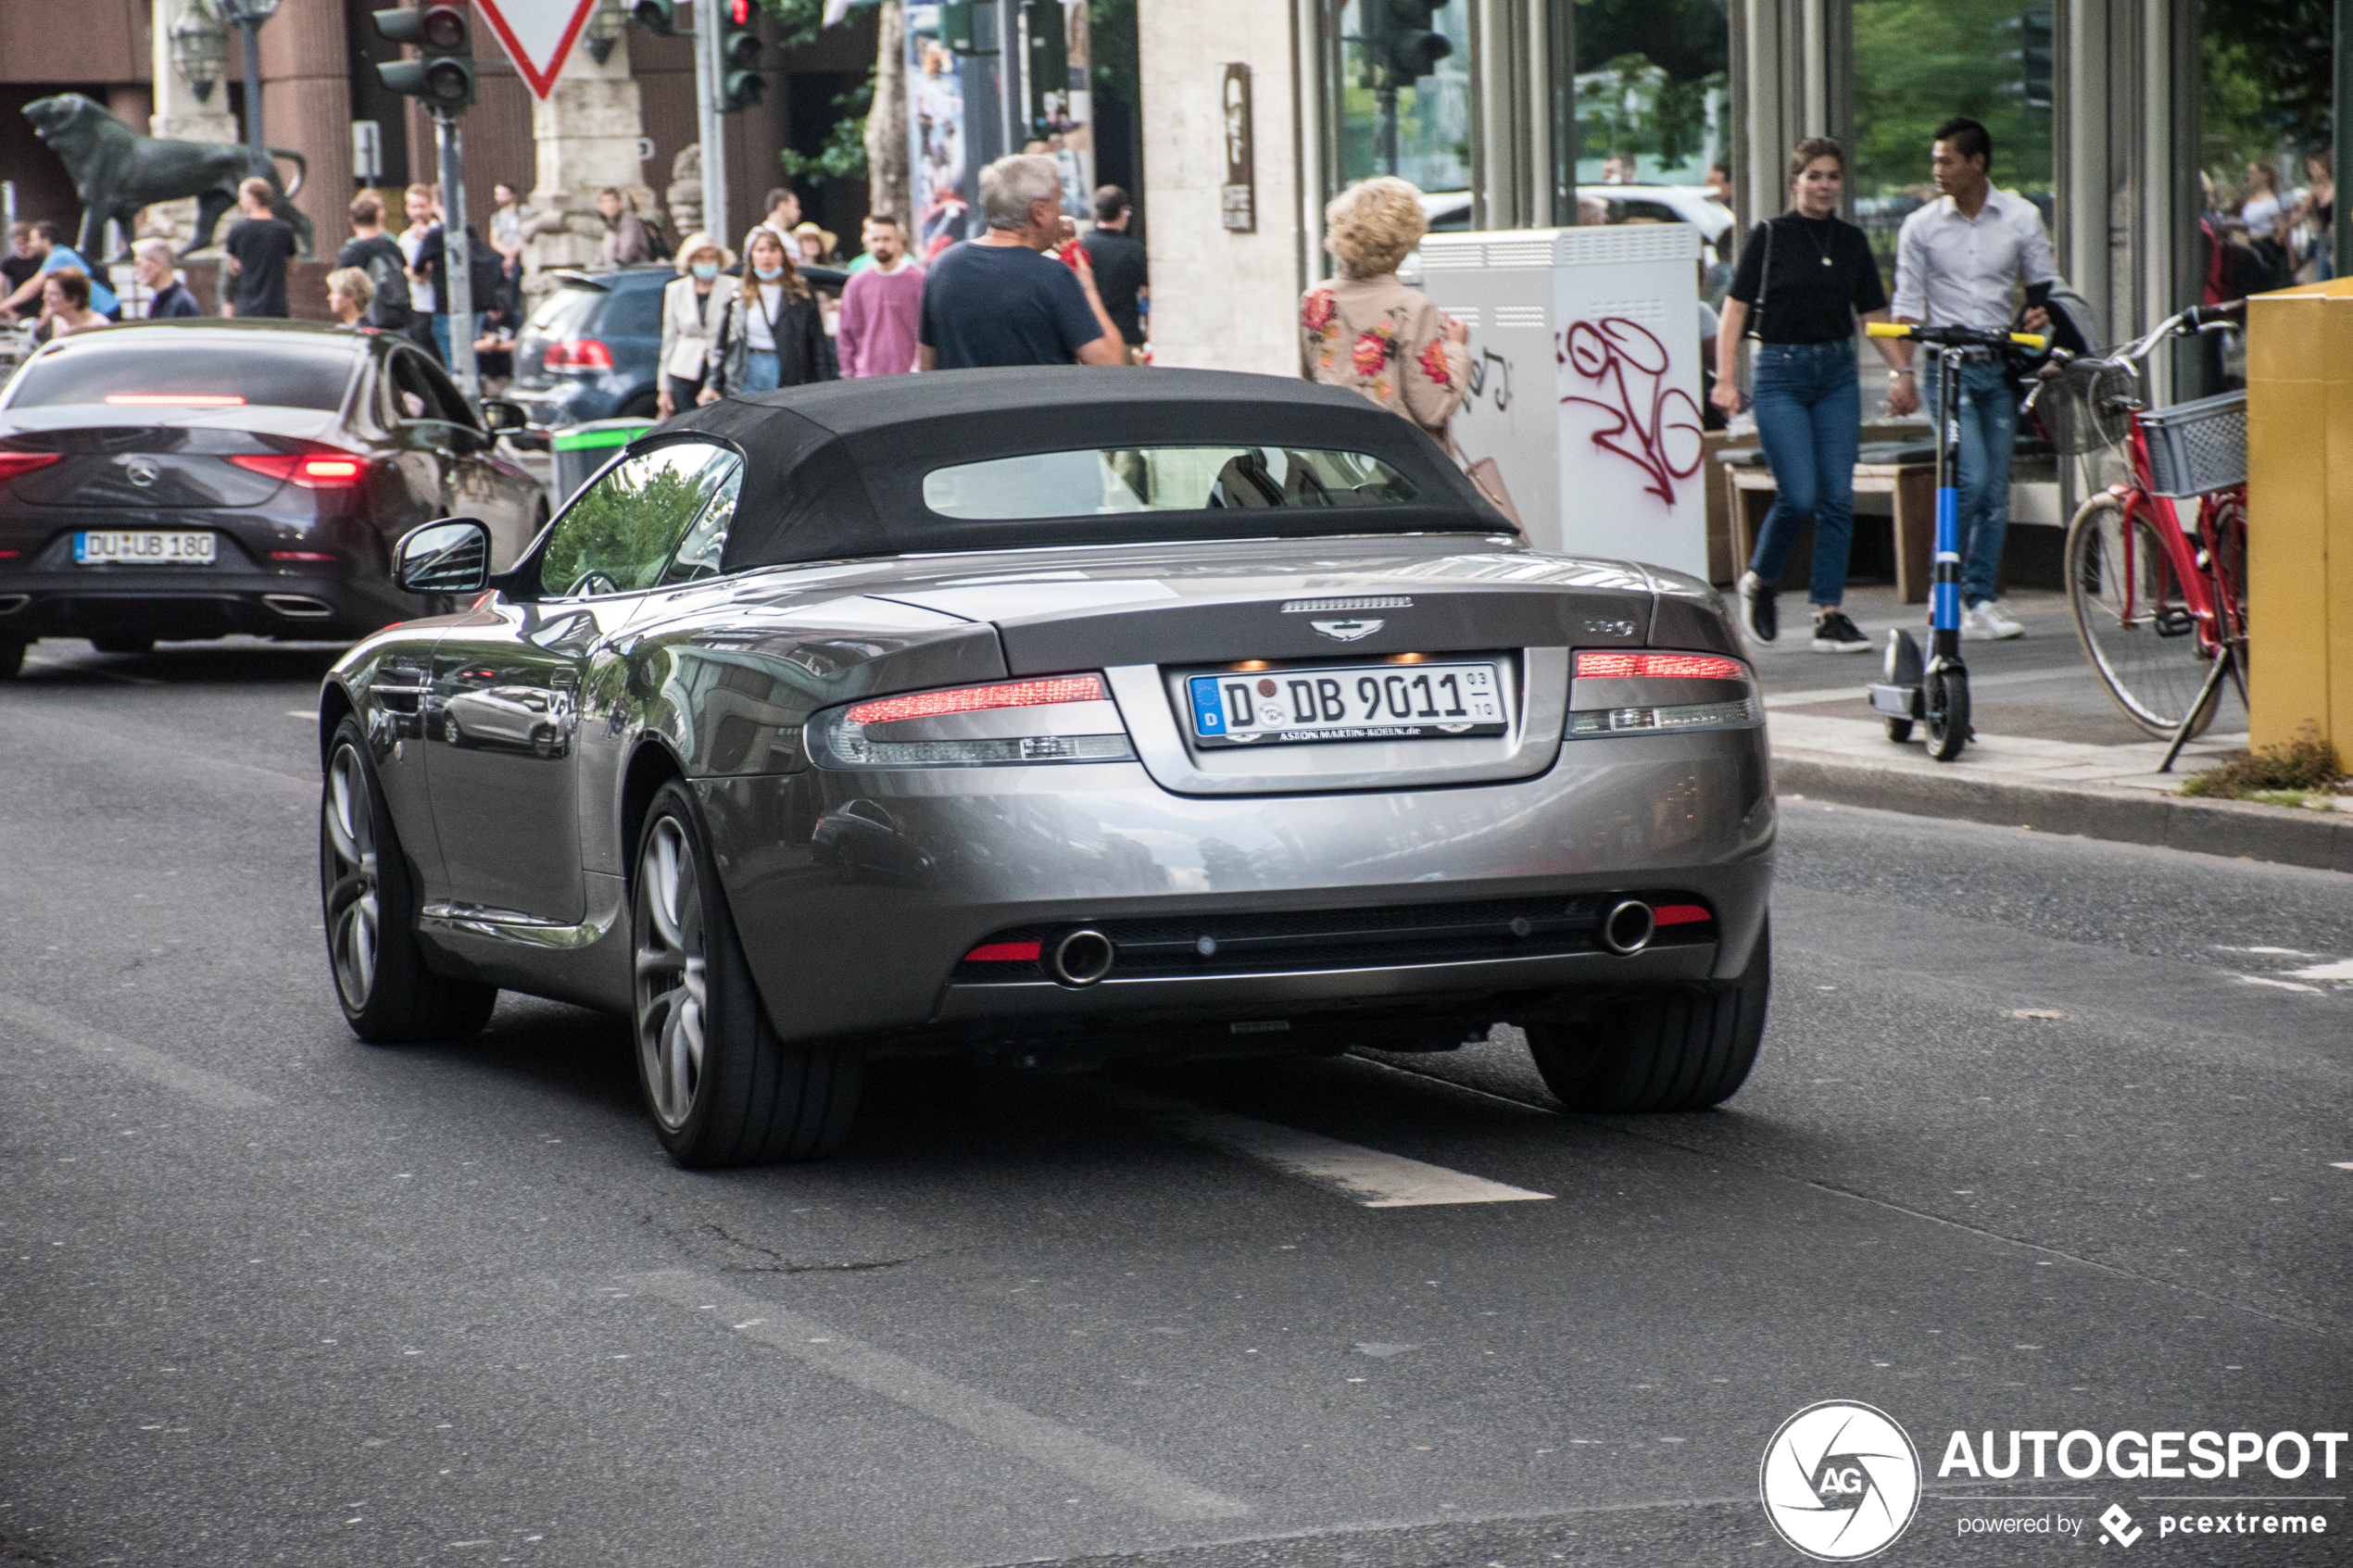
[774, 335]
[694, 305]
[1803, 279]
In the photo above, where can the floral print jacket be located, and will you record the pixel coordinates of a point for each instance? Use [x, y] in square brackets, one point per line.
[1381, 338]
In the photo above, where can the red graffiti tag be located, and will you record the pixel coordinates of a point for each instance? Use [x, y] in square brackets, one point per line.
[1605, 352]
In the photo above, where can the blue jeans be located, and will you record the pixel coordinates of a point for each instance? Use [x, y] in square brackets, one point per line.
[1989, 431]
[441, 333]
[762, 372]
[1809, 415]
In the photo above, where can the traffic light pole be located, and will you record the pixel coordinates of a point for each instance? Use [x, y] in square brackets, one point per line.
[1009, 117]
[457, 271]
[710, 72]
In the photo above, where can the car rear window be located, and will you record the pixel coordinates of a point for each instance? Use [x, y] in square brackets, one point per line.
[1092, 481]
[174, 368]
[564, 314]
[630, 313]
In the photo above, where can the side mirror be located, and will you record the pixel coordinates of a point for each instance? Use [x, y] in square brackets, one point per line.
[500, 416]
[448, 557]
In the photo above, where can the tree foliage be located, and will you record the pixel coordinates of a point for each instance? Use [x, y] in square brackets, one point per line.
[2267, 80]
[1918, 63]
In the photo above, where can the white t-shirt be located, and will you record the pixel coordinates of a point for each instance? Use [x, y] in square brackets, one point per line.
[2260, 214]
[758, 336]
[420, 294]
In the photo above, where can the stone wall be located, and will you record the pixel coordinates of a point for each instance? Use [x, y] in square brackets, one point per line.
[1220, 300]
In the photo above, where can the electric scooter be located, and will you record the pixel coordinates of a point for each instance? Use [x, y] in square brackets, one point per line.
[1934, 691]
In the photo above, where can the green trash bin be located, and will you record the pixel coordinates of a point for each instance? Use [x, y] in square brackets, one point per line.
[581, 450]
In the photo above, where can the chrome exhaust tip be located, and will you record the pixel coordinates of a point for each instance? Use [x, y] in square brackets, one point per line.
[1077, 959]
[12, 603]
[1629, 926]
[298, 607]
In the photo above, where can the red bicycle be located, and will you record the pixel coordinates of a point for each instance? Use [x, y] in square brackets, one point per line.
[2159, 602]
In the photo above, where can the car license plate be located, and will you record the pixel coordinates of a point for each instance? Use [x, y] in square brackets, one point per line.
[1352, 702]
[143, 549]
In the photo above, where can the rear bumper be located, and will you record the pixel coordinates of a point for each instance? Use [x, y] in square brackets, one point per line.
[858, 894]
[190, 603]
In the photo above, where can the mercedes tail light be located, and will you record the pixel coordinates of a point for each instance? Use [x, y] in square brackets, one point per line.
[312, 471]
[16, 465]
[1693, 691]
[577, 354]
[1051, 719]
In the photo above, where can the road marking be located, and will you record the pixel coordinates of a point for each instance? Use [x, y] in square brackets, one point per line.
[1367, 1176]
[2340, 970]
[2280, 985]
[2340, 1164]
[310, 714]
[209, 1088]
[1112, 1471]
[1856, 692]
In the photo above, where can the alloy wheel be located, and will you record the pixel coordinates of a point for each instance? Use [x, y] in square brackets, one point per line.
[353, 907]
[670, 967]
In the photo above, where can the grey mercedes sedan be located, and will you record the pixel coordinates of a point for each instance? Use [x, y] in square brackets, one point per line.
[1064, 717]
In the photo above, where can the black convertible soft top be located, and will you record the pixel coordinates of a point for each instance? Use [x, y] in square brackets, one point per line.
[836, 469]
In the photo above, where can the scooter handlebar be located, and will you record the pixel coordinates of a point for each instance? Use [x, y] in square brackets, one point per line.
[1954, 337]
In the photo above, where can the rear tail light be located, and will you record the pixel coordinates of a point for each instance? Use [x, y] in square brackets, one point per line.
[14, 464]
[310, 470]
[843, 738]
[1736, 709]
[578, 354]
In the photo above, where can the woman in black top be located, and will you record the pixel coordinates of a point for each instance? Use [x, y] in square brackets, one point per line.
[1803, 279]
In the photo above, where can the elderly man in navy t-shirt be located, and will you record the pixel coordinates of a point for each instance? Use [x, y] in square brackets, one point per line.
[997, 300]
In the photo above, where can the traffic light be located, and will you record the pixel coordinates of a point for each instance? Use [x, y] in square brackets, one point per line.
[956, 26]
[740, 85]
[1048, 64]
[657, 17]
[1410, 45]
[2034, 57]
[442, 72]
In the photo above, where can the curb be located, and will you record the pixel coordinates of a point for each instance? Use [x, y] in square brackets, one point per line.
[2242, 829]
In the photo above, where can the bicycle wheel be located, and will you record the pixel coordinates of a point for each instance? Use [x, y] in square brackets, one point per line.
[2132, 617]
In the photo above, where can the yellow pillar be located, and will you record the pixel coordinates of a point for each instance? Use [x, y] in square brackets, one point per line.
[2299, 486]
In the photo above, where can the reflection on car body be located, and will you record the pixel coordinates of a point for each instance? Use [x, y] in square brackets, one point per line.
[861, 750]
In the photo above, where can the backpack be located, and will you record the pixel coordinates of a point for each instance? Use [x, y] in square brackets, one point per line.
[392, 309]
[486, 272]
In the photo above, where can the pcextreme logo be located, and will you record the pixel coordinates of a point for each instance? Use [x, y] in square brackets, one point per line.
[1839, 1481]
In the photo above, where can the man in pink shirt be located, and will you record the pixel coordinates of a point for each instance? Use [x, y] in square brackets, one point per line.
[882, 306]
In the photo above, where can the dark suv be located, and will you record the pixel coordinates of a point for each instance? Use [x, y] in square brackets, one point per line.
[592, 347]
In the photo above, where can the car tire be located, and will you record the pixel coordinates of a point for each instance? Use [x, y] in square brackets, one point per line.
[136, 646]
[1680, 1050]
[388, 993]
[723, 1088]
[11, 657]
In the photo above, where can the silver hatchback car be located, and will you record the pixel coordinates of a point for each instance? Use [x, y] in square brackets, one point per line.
[1063, 715]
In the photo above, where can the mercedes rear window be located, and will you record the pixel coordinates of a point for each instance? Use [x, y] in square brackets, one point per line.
[1093, 482]
[175, 369]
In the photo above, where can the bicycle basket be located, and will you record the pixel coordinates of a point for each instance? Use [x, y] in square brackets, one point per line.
[2196, 449]
[2087, 406]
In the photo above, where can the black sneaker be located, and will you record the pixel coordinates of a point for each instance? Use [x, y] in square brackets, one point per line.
[1759, 616]
[1834, 633]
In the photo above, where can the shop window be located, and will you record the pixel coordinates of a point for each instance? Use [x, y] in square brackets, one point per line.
[1653, 99]
[1385, 119]
[1918, 63]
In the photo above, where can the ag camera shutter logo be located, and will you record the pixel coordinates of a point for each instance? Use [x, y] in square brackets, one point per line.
[1839, 1481]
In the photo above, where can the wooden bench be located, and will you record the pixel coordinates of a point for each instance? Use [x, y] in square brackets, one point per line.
[1904, 470]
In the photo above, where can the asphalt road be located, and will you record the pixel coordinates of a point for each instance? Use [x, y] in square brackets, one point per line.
[269, 1296]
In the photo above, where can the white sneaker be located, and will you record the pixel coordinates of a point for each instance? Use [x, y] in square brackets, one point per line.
[1984, 622]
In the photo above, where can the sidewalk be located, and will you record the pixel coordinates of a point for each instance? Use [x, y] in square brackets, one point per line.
[2052, 752]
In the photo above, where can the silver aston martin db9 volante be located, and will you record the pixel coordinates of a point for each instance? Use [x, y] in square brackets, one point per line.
[1066, 716]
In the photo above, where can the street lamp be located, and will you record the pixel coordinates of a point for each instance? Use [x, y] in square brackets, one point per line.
[606, 25]
[250, 15]
[200, 49]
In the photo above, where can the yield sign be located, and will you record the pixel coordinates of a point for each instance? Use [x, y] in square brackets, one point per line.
[537, 34]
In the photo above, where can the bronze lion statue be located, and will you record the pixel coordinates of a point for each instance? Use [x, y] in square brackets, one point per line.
[117, 172]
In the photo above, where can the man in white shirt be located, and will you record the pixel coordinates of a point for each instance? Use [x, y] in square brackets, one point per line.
[1957, 262]
[423, 209]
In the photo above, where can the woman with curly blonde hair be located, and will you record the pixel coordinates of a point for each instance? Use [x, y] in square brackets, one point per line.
[1365, 330]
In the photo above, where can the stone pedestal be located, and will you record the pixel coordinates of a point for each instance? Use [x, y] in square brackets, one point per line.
[179, 117]
[587, 132]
